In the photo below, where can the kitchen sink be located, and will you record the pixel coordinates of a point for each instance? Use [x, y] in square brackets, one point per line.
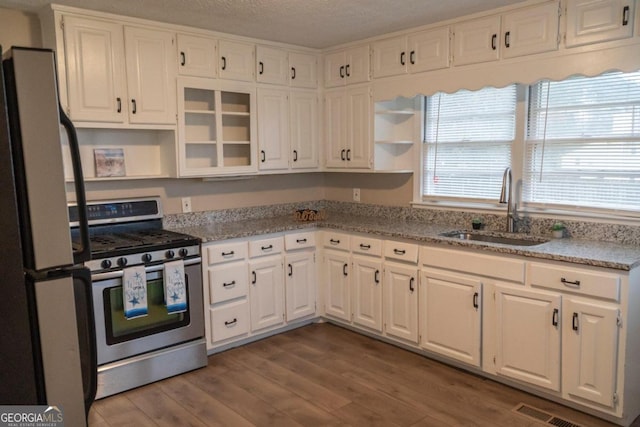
[494, 238]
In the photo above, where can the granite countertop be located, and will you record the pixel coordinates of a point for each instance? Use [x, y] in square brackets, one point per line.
[586, 252]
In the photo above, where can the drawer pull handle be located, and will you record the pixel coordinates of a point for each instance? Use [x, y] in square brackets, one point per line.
[493, 41]
[334, 242]
[290, 270]
[402, 58]
[475, 300]
[625, 16]
[228, 253]
[293, 73]
[570, 283]
[301, 240]
[119, 103]
[507, 39]
[255, 278]
[342, 72]
[363, 246]
[412, 57]
[226, 285]
[183, 59]
[344, 270]
[261, 66]
[349, 154]
[224, 63]
[399, 251]
[554, 317]
[376, 276]
[346, 68]
[342, 155]
[574, 322]
[266, 248]
[411, 288]
[135, 106]
[295, 155]
[231, 323]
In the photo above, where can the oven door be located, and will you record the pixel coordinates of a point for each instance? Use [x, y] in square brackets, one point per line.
[118, 338]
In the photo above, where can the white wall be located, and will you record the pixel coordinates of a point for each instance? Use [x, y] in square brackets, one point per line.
[19, 29]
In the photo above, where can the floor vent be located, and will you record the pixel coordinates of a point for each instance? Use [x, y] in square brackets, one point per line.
[545, 417]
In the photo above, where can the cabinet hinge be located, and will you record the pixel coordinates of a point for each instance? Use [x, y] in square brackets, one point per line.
[494, 360]
[615, 397]
[619, 321]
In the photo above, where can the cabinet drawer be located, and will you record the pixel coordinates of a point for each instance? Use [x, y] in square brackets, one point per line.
[226, 251]
[228, 281]
[472, 263]
[366, 245]
[294, 241]
[583, 282]
[270, 246]
[335, 240]
[230, 320]
[401, 251]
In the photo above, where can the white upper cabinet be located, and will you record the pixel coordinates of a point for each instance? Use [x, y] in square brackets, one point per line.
[105, 85]
[303, 70]
[237, 60]
[592, 21]
[520, 32]
[421, 51]
[151, 83]
[197, 56]
[530, 30]
[476, 41]
[347, 67]
[273, 128]
[272, 65]
[277, 66]
[303, 112]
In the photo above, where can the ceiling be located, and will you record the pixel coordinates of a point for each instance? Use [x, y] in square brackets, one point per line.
[310, 23]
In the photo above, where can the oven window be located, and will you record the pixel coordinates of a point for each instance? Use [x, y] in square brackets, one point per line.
[119, 328]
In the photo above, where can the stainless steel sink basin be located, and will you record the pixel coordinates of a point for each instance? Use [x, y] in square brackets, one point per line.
[492, 238]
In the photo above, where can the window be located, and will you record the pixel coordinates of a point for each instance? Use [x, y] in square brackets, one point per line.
[583, 143]
[467, 144]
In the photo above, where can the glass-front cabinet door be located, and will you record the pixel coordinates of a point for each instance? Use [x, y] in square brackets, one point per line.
[216, 128]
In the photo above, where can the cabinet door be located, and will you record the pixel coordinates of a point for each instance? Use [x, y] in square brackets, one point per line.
[428, 50]
[367, 292]
[266, 292]
[531, 30]
[236, 60]
[95, 70]
[334, 69]
[390, 57]
[450, 315]
[303, 70]
[359, 128]
[337, 292]
[401, 302]
[300, 284]
[197, 56]
[476, 41]
[592, 21]
[335, 107]
[272, 65]
[590, 352]
[151, 65]
[528, 336]
[304, 129]
[357, 69]
[273, 128]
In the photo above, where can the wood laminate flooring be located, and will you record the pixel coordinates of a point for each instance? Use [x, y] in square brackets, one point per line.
[324, 375]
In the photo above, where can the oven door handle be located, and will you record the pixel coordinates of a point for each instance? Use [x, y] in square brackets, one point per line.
[120, 273]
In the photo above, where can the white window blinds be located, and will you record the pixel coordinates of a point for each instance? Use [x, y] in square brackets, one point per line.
[468, 137]
[583, 143]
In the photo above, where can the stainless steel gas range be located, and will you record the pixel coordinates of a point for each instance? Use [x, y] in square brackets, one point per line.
[127, 238]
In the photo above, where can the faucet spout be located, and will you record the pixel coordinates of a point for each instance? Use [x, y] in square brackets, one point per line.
[505, 198]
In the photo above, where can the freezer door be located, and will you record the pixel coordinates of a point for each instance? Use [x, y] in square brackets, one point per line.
[32, 101]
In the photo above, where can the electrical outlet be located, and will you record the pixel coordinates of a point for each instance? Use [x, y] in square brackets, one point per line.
[356, 194]
[186, 204]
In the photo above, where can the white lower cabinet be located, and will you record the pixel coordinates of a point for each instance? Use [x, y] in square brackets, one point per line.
[367, 292]
[300, 284]
[590, 351]
[266, 292]
[337, 293]
[401, 301]
[451, 315]
[528, 335]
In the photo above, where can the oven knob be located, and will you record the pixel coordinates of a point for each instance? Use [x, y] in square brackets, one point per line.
[122, 261]
[106, 263]
[183, 252]
[169, 254]
[147, 258]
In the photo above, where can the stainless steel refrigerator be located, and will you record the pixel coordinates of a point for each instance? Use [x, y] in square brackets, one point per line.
[47, 338]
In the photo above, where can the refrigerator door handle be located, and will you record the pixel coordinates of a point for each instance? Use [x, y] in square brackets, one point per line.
[84, 252]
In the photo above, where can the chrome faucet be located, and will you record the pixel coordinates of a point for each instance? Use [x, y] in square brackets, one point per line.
[505, 197]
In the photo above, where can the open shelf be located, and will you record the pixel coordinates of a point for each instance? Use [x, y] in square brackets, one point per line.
[396, 132]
